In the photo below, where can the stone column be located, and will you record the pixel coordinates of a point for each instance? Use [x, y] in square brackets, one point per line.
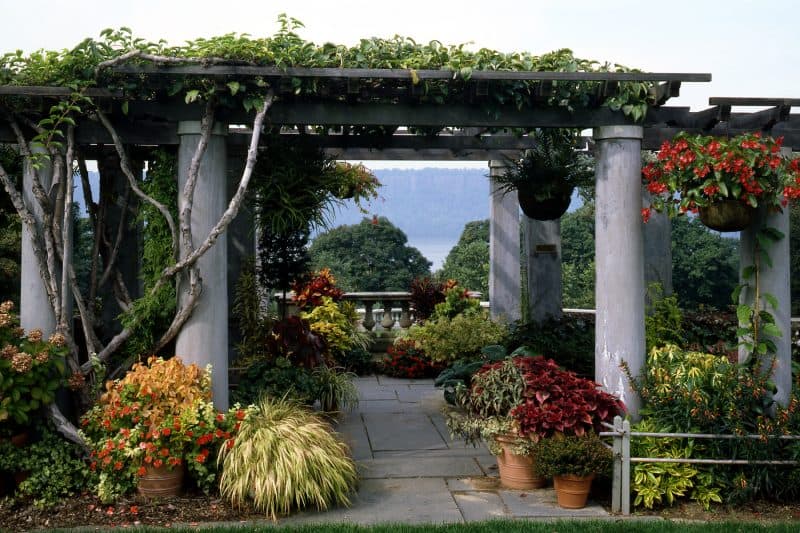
[204, 337]
[774, 280]
[657, 248]
[619, 261]
[543, 250]
[504, 271]
[35, 310]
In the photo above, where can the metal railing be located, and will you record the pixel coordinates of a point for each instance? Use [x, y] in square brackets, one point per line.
[621, 433]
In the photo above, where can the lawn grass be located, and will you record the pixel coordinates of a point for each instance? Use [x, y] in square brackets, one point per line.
[506, 526]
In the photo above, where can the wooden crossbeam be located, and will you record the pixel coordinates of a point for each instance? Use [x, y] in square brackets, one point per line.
[35, 90]
[404, 74]
[747, 101]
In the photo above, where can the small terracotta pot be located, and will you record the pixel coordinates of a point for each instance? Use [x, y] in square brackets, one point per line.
[572, 491]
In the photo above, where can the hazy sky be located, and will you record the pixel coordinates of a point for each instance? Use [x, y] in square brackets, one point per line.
[750, 47]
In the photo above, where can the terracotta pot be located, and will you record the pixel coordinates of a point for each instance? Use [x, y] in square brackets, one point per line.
[9, 481]
[516, 471]
[161, 482]
[549, 209]
[572, 491]
[727, 215]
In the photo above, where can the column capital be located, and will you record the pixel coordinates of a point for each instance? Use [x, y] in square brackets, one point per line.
[601, 133]
[498, 166]
[192, 127]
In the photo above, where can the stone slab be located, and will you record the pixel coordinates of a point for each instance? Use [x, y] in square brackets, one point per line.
[386, 380]
[419, 394]
[405, 431]
[542, 503]
[477, 505]
[488, 464]
[460, 451]
[477, 483]
[410, 501]
[354, 434]
[419, 467]
[385, 406]
[376, 392]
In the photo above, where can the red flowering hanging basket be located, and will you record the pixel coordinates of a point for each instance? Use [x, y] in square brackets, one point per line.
[727, 215]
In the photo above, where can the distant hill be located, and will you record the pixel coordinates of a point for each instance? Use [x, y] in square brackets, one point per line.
[428, 204]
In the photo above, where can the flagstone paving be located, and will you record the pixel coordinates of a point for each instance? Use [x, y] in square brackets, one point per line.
[413, 472]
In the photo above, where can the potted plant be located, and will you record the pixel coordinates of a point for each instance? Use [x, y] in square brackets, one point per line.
[152, 425]
[31, 370]
[335, 389]
[548, 173]
[494, 391]
[725, 179]
[572, 461]
[356, 182]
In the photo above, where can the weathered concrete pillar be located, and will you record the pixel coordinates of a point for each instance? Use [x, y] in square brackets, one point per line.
[657, 248]
[774, 280]
[35, 310]
[204, 337]
[114, 184]
[619, 260]
[504, 271]
[543, 251]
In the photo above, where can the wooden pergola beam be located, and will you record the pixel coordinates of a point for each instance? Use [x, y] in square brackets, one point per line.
[403, 74]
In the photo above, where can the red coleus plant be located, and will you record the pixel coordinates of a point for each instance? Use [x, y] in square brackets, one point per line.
[309, 293]
[405, 360]
[694, 171]
[557, 401]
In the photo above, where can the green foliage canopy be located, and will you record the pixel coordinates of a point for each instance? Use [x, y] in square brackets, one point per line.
[370, 256]
[78, 67]
[468, 260]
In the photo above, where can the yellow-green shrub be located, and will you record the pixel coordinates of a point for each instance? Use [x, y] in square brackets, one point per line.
[447, 339]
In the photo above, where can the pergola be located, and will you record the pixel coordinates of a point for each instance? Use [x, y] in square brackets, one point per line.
[383, 114]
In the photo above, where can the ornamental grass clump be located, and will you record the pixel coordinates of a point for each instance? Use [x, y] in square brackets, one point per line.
[284, 458]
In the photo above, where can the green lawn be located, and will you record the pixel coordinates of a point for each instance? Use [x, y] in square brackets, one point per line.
[506, 526]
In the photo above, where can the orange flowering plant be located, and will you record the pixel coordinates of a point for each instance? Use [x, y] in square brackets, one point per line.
[693, 171]
[159, 415]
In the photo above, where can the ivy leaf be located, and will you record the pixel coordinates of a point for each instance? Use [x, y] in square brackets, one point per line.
[414, 77]
[772, 330]
[771, 300]
[743, 313]
[748, 272]
[125, 107]
[191, 96]
[233, 86]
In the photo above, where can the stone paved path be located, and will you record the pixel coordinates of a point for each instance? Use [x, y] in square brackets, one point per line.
[412, 472]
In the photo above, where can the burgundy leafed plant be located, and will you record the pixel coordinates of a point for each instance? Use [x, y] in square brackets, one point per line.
[558, 401]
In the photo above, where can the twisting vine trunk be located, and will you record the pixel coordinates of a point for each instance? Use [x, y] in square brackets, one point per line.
[52, 247]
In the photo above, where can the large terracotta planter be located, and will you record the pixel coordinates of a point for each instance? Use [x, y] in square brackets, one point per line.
[572, 491]
[727, 215]
[549, 209]
[161, 482]
[516, 471]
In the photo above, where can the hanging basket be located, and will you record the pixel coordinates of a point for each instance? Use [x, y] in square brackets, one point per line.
[727, 215]
[516, 471]
[572, 491]
[161, 482]
[549, 209]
